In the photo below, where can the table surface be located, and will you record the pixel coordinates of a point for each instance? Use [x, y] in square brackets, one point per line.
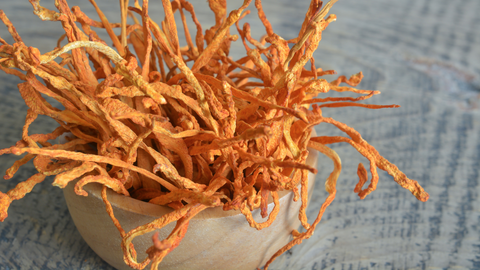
[423, 55]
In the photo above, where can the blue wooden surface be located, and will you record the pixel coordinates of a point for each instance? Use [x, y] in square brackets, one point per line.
[423, 55]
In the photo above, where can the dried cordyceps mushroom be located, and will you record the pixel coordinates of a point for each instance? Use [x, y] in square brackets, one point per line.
[224, 132]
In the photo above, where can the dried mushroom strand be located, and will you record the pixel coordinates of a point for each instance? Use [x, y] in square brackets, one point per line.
[225, 132]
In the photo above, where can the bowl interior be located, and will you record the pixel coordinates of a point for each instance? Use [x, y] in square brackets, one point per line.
[148, 209]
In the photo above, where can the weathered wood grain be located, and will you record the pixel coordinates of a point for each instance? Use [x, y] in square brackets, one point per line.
[423, 55]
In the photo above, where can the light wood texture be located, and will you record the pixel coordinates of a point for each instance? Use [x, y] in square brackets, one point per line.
[423, 55]
[215, 239]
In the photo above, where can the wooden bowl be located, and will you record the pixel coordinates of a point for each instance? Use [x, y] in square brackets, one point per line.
[215, 239]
